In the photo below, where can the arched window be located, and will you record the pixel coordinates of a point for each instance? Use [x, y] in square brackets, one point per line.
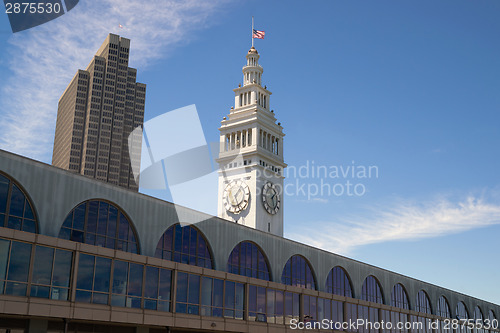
[478, 318]
[423, 303]
[443, 308]
[100, 223]
[16, 210]
[298, 272]
[462, 312]
[185, 245]
[399, 297]
[492, 318]
[338, 282]
[371, 290]
[248, 260]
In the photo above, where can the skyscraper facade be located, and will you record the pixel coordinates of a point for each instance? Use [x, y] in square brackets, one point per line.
[97, 112]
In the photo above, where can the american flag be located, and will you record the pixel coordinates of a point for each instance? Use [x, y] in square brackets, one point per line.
[258, 34]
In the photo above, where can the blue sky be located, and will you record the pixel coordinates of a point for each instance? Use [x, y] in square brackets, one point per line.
[409, 87]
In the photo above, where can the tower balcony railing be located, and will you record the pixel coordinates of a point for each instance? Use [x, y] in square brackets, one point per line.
[250, 66]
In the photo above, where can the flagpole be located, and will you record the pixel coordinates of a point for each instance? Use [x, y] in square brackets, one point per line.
[252, 31]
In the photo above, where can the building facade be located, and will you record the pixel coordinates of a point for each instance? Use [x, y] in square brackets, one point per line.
[79, 255]
[251, 156]
[96, 114]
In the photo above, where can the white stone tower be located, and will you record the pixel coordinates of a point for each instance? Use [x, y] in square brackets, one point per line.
[251, 156]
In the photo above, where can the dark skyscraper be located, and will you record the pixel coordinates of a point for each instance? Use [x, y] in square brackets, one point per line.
[99, 109]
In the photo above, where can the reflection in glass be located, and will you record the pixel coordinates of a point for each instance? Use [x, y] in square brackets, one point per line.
[99, 223]
[399, 297]
[248, 260]
[423, 303]
[371, 290]
[18, 269]
[338, 282]
[298, 272]
[443, 308]
[16, 211]
[184, 244]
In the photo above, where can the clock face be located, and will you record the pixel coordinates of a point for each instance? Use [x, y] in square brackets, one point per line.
[271, 198]
[236, 196]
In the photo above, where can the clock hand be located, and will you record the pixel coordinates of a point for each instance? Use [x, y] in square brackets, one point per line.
[231, 198]
[236, 195]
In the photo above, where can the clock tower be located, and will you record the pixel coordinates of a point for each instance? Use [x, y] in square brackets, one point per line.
[251, 156]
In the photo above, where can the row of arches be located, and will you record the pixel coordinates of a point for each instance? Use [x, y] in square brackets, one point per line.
[102, 223]
[238, 140]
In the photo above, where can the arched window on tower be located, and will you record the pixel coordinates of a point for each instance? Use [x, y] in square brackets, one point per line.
[100, 223]
[399, 297]
[16, 209]
[298, 273]
[443, 308]
[338, 282]
[186, 245]
[247, 259]
[423, 304]
[249, 136]
[372, 291]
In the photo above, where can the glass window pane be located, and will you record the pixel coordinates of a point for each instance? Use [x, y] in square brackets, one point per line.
[28, 212]
[42, 267]
[15, 288]
[40, 291]
[239, 297]
[183, 244]
[19, 262]
[92, 216]
[218, 292]
[182, 287]
[135, 280]
[206, 291]
[29, 226]
[79, 217]
[4, 254]
[102, 274]
[165, 284]
[151, 285]
[112, 221]
[14, 223]
[229, 295]
[85, 272]
[4, 191]
[16, 202]
[88, 223]
[194, 289]
[120, 277]
[103, 218]
[247, 259]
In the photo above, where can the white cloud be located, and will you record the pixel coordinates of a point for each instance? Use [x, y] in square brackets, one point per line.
[44, 59]
[404, 221]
